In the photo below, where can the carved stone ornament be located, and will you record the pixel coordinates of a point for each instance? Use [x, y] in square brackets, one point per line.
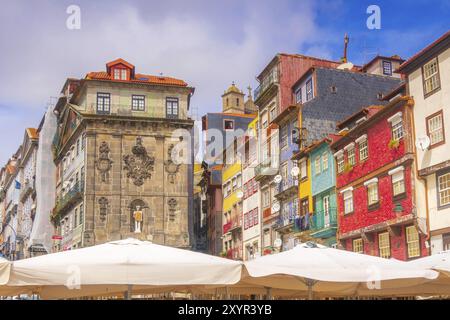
[104, 163]
[103, 203]
[171, 167]
[139, 164]
[172, 208]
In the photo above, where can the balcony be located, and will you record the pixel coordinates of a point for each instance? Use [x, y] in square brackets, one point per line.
[65, 202]
[288, 187]
[286, 219]
[236, 223]
[235, 253]
[269, 81]
[27, 189]
[302, 223]
[266, 168]
[322, 225]
[227, 227]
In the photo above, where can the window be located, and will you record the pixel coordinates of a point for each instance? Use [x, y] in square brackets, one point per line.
[446, 241]
[397, 130]
[412, 242]
[384, 245]
[372, 194]
[103, 103]
[75, 218]
[83, 142]
[228, 188]
[78, 147]
[284, 172]
[351, 156]
[324, 161]
[265, 124]
[387, 68]
[398, 183]
[81, 216]
[120, 74]
[309, 90]
[303, 169]
[340, 163]
[348, 202]
[317, 165]
[266, 238]
[358, 245]
[443, 182]
[363, 150]
[304, 206]
[435, 128]
[228, 124]
[273, 113]
[266, 198]
[172, 108]
[237, 102]
[137, 103]
[298, 95]
[238, 181]
[284, 137]
[234, 183]
[431, 80]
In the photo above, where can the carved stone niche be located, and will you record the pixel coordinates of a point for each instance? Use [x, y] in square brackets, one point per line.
[103, 206]
[104, 163]
[171, 167]
[139, 164]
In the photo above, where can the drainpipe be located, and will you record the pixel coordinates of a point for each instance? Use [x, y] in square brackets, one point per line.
[410, 104]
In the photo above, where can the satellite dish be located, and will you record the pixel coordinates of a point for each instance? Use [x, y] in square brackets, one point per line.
[240, 194]
[295, 171]
[276, 207]
[277, 243]
[277, 178]
[345, 66]
[423, 143]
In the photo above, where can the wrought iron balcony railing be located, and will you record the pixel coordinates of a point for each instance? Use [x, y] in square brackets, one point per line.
[270, 79]
[287, 184]
[324, 219]
[64, 202]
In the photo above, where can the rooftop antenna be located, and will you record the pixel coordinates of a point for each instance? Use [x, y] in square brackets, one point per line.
[346, 41]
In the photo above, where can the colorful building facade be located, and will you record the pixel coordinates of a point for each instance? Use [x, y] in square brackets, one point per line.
[428, 81]
[375, 183]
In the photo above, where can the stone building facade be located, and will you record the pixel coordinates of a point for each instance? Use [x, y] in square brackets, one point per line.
[123, 159]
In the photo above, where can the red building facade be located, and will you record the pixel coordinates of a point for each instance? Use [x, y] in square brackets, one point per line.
[375, 183]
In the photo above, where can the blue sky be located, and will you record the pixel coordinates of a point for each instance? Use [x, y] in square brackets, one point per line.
[207, 43]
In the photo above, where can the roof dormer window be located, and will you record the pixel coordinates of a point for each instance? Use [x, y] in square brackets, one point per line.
[120, 74]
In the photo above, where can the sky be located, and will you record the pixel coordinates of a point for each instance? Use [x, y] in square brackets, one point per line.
[209, 44]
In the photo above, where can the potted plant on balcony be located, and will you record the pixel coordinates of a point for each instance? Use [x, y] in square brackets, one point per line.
[348, 167]
[394, 144]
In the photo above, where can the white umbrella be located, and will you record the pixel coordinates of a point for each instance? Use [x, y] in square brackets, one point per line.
[5, 266]
[332, 272]
[439, 262]
[119, 264]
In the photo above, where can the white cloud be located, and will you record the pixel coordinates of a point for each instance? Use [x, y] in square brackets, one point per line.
[208, 48]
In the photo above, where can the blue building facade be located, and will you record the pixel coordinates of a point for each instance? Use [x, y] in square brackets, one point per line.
[323, 185]
[286, 191]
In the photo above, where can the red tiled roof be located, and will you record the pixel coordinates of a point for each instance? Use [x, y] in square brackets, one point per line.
[423, 51]
[138, 78]
[119, 61]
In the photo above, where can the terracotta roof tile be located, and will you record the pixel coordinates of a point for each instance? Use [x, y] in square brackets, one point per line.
[139, 78]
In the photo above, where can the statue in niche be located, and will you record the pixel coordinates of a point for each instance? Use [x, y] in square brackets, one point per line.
[138, 218]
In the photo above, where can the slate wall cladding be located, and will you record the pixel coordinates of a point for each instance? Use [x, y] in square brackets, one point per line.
[292, 67]
[354, 91]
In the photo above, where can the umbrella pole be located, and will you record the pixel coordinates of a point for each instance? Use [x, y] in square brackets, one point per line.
[310, 283]
[269, 293]
[128, 292]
